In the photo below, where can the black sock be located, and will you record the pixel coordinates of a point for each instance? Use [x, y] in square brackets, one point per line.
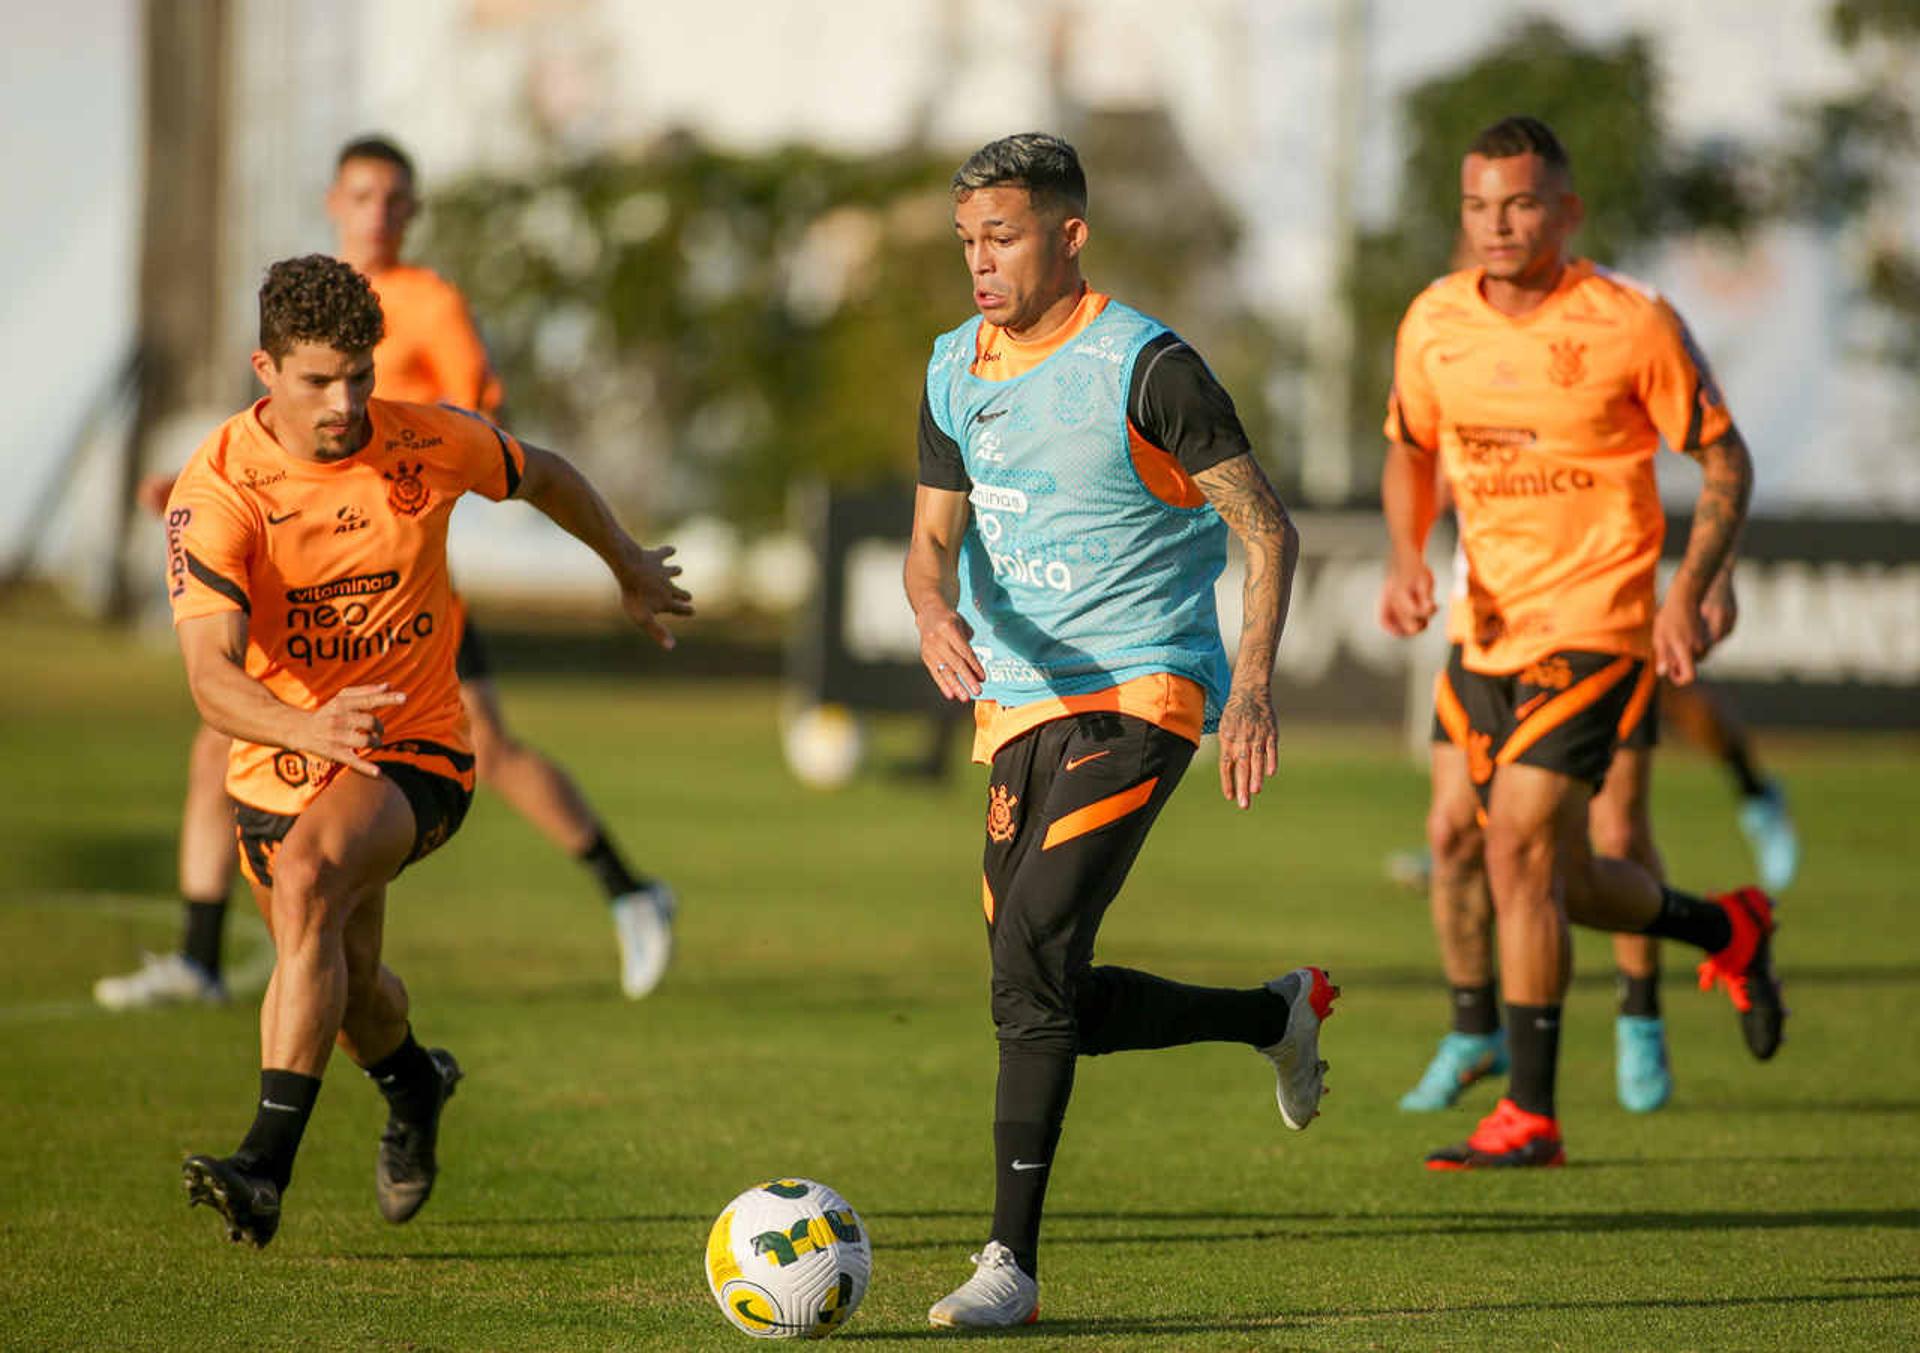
[1118, 1010]
[1475, 1010]
[602, 858]
[409, 1080]
[1745, 775]
[1533, 1047]
[1640, 996]
[1030, 1104]
[200, 941]
[279, 1121]
[1692, 920]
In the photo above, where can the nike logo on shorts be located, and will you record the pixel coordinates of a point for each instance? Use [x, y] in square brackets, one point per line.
[1025, 1165]
[279, 1108]
[1082, 760]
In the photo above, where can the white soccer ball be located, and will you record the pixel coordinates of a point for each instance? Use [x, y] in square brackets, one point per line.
[788, 1259]
[823, 745]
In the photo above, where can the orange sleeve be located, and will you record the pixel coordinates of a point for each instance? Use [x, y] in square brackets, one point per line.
[1676, 386]
[210, 535]
[457, 357]
[1413, 409]
[487, 459]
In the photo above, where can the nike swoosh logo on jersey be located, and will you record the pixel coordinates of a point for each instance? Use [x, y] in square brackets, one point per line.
[1024, 1165]
[1448, 357]
[984, 416]
[1082, 760]
[283, 517]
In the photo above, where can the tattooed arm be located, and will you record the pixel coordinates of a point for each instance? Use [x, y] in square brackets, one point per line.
[1680, 633]
[1240, 493]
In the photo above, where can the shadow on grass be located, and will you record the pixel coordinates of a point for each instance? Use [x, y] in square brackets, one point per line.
[134, 860]
[1260, 1226]
[1793, 974]
[1178, 1324]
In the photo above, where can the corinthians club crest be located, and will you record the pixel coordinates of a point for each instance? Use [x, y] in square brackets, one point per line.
[406, 491]
[1000, 806]
[1567, 366]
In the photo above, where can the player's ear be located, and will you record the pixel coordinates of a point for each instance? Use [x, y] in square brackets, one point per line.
[1073, 232]
[1576, 211]
[265, 368]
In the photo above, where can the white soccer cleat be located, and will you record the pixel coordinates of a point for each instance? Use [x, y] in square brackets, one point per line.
[643, 921]
[161, 979]
[1298, 1070]
[998, 1295]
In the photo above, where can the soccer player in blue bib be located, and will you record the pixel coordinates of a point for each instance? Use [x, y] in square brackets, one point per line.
[1080, 468]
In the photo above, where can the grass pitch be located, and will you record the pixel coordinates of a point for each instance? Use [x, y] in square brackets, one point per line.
[826, 1016]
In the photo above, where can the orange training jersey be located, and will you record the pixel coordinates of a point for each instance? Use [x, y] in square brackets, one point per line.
[341, 570]
[1546, 425]
[431, 353]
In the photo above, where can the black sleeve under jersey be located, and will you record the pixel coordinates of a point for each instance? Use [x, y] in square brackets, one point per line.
[1175, 403]
[940, 464]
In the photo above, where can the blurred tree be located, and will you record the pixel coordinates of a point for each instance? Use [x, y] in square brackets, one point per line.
[709, 328]
[1852, 167]
[1604, 103]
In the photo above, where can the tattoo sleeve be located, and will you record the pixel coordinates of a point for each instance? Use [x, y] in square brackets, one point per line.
[1720, 512]
[1240, 493]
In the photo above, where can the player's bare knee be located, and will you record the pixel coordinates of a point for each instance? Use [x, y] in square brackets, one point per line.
[1453, 838]
[495, 755]
[308, 892]
[1515, 851]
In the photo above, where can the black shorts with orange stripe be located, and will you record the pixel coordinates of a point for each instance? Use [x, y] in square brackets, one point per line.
[1642, 733]
[439, 804]
[1566, 713]
[1068, 808]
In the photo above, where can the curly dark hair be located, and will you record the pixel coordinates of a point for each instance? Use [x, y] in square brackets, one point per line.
[317, 299]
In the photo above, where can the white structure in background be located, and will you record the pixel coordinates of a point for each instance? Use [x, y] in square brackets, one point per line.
[1249, 83]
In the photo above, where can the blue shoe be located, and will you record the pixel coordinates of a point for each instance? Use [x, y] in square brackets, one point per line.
[1768, 827]
[1460, 1060]
[1641, 1073]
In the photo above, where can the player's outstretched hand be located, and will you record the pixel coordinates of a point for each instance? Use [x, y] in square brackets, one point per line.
[1680, 638]
[1249, 747]
[1406, 598]
[648, 592]
[946, 650]
[349, 724]
[152, 492]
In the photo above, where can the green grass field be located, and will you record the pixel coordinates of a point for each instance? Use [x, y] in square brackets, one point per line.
[827, 1017]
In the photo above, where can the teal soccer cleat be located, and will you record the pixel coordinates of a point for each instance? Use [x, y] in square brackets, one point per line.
[1642, 1075]
[1460, 1060]
[1768, 827]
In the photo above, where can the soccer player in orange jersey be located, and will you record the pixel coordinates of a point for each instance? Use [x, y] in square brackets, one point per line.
[1544, 386]
[306, 569]
[430, 354]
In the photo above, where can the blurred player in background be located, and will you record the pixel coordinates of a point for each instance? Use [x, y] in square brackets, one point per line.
[1543, 387]
[431, 354]
[1080, 469]
[307, 574]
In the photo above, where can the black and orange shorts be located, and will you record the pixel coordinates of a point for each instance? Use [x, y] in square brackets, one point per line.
[1642, 736]
[1568, 713]
[439, 804]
